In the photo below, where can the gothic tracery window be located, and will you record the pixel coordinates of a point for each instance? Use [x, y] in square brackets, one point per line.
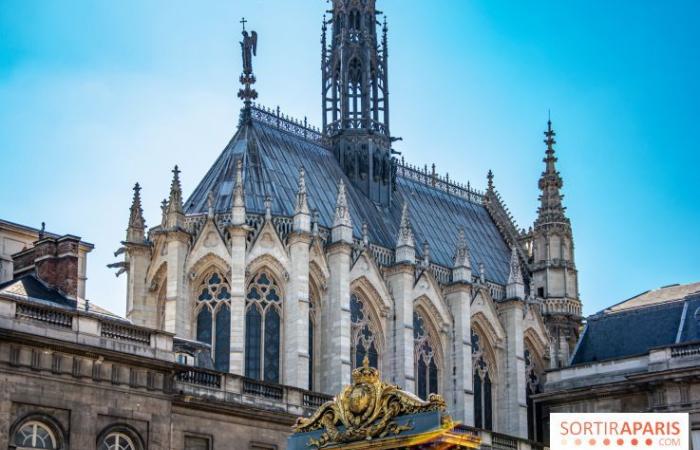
[314, 315]
[363, 334]
[425, 362]
[263, 329]
[532, 387]
[34, 434]
[214, 317]
[483, 396]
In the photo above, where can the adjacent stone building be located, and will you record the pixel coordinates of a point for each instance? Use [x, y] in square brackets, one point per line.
[640, 355]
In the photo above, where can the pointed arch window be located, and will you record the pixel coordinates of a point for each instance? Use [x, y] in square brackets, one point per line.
[314, 320]
[426, 367]
[363, 334]
[263, 329]
[483, 395]
[213, 317]
[532, 387]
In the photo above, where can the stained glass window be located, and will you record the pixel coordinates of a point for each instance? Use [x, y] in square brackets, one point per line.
[363, 334]
[263, 329]
[35, 435]
[214, 317]
[223, 338]
[425, 365]
[483, 396]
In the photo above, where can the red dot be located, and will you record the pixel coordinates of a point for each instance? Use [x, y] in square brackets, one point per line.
[648, 441]
[635, 441]
[591, 442]
[577, 442]
[620, 441]
[606, 441]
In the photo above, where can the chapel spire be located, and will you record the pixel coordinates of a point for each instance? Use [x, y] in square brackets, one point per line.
[342, 223]
[238, 203]
[137, 224]
[174, 212]
[551, 208]
[405, 243]
[355, 103]
[554, 278]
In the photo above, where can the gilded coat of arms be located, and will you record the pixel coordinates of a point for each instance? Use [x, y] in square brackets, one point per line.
[365, 410]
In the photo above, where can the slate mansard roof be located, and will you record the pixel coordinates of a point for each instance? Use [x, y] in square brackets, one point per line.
[272, 154]
[662, 317]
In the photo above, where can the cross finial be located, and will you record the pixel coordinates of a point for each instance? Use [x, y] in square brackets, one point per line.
[176, 171]
[243, 22]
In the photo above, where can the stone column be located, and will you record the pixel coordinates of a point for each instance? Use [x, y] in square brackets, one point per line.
[296, 314]
[238, 263]
[177, 312]
[401, 278]
[458, 296]
[336, 321]
[139, 310]
[512, 414]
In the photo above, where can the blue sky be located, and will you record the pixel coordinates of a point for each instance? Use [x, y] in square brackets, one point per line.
[95, 96]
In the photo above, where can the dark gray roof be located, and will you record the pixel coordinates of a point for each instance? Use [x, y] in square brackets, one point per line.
[272, 157]
[28, 287]
[634, 331]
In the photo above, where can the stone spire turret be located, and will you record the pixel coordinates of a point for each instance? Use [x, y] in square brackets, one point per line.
[342, 224]
[461, 268]
[137, 224]
[515, 289]
[551, 209]
[302, 216]
[355, 97]
[405, 244]
[238, 202]
[554, 275]
[175, 213]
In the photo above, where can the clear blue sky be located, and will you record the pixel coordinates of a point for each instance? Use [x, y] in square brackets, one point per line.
[95, 96]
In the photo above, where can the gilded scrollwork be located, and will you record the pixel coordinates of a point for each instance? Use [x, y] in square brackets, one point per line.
[366, 410]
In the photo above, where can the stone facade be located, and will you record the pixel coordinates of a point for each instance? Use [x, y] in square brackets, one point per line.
[640, 355]
[341, 288]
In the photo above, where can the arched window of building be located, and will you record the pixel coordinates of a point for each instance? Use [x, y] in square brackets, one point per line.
[117, 441]
[35, 434]
[263, 329]
[483, 375]
[213, 317]
[119, 437]
[363, 334]
[532, 387]
[314, 320]
[426, 366]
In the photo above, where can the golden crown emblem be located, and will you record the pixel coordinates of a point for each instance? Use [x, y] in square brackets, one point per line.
[365, 374]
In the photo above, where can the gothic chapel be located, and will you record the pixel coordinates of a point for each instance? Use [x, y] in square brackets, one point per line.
[302, 251]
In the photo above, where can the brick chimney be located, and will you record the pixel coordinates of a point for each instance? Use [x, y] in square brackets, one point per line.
[54, 260]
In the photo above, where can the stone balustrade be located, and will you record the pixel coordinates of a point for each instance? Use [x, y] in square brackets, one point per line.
[226, 388]
[85, 327]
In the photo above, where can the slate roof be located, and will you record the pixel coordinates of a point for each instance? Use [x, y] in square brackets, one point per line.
[661, 317]
[272, 157]
[30, 288]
